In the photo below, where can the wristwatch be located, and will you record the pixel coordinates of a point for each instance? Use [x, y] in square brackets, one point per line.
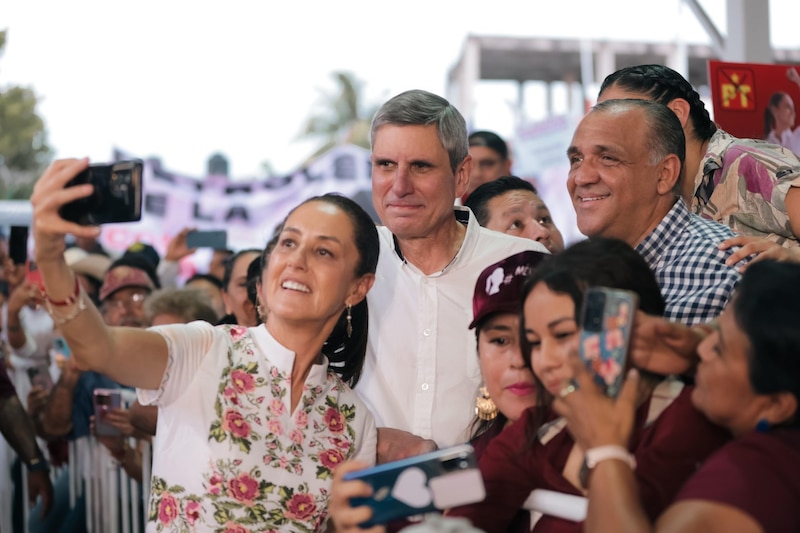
[38, 464]
[594, 456]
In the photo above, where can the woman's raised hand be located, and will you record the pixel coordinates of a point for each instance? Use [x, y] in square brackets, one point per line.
[49, 194]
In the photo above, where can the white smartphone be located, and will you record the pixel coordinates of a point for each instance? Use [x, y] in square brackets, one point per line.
[430, 482]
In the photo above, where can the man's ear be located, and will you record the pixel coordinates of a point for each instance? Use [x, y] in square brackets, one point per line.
[782, 408]
[681, 108]
[669, 174]
[362, 287]
[463, 172]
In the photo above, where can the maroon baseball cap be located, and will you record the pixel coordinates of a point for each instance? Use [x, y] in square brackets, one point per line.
[122, 277]
[499, 286]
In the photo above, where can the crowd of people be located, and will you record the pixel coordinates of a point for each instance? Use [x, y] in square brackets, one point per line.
[261, 382]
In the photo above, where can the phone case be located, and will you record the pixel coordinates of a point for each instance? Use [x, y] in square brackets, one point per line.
[430, 482]
[216, 239]
[32, 274]
[106, 400]
[18, 245]
[117, 194]
[40, 377]
[606, 322]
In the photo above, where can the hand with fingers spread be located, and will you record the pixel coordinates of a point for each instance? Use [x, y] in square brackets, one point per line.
[594, 419]
[663, 347]
[345, 517]
[758, 249]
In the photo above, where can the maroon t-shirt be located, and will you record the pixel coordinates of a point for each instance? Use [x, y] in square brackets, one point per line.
[759, 474]
[668, 452]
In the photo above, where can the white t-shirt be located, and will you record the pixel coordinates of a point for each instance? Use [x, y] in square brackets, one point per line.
[422, 373]
[229, 452]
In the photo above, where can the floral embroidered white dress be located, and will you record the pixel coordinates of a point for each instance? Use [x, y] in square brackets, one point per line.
[229, 455]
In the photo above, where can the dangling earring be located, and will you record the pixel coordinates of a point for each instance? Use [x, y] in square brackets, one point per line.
[262, 313]
[349, 321]
[485, 409]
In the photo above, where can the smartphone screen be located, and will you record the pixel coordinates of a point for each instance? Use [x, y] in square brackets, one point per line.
[433, 481]
[606, 322]
[40, 377]
[105, 400]
[117, 195]
[18, 245]
[216, 239]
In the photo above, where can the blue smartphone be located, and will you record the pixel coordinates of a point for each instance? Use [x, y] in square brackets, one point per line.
[430, 482]
[606, 323]
[216, 239]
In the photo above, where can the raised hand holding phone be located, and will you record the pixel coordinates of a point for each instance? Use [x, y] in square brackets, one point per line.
[606, 323]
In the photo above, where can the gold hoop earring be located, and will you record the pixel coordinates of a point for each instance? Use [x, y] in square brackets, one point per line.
[485, 408]
[349, 321]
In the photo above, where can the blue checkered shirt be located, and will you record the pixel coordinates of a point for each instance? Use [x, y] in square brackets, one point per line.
[691, 270]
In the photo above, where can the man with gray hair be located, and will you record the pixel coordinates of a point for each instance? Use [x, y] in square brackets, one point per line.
[626, 162]
[421, 374]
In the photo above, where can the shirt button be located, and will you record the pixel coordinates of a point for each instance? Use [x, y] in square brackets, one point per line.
[425, 386]
[426, 332]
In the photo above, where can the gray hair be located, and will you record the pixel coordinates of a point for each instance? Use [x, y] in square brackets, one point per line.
[421, 108]
[189, 304]
[665, 135]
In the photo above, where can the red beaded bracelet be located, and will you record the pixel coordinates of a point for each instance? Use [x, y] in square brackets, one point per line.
[69, 300]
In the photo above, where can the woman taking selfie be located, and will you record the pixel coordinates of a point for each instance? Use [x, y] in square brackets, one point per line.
[747, 381]
[252, 421]
[538, 452]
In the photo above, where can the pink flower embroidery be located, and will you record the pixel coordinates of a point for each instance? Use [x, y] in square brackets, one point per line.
[230, 527]
[275, 427]
[243, 487]
[297, 436]
[276, 407]
[235, 423]
[237, 332]
[167, 509]
[300, 507]
[340, 443]
[242, 381]
[331, 458]
[215, 484]
[192, 512]
[301, 419]
[334, 420]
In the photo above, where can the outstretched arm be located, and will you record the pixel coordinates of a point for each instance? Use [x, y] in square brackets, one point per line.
[129, 356]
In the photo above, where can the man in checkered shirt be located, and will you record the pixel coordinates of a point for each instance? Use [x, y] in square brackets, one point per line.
[626, 161]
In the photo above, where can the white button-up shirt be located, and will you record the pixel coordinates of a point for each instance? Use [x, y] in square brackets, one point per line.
[421, 373]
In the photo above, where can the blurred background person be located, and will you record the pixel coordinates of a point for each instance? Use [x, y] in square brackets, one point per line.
[178, 306]
[780, 115]
[490, 159]
[212, 286]
[238, 308]
[512, 205]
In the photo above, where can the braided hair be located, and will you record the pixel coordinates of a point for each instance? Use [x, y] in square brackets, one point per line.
[662, 84]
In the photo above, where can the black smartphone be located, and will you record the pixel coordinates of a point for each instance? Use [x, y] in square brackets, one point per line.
[433, 481]
[216, 239]
[18, 244]
[105, 400]
[117, 195]
[40, 377]
[606, 323]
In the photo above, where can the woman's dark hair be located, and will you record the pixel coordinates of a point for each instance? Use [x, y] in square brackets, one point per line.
[346, 353]
[230, 262]
[769, 117]
[597, 261]
[214, 280]
[765, 308]
[253, 277]
[489, 140]
[662, 84]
